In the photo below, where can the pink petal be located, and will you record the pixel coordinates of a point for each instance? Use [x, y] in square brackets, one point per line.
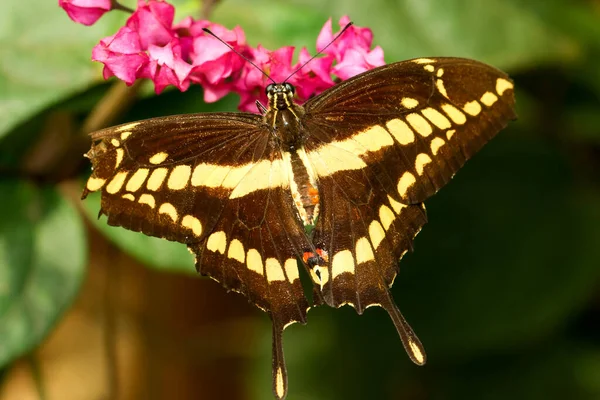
[121, 55]
[170, 68]
[153, 22]
[325, 36]
[85, 12]
[375, 57]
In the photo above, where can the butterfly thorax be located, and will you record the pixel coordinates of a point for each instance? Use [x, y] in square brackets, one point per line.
[285, 119]
[284, 116]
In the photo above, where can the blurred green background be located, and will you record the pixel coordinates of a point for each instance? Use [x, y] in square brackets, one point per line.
[503, 286]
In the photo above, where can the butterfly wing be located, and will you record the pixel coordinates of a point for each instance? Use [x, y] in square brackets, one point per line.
[216, 182]
[414, 123]
[380, 144]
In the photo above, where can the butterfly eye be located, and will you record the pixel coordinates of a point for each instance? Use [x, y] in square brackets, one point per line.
[290, 88]
[269, 89]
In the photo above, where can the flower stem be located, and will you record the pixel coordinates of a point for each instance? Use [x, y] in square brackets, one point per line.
[118, 6]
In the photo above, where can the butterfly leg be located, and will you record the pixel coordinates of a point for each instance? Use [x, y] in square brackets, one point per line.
[261, 109]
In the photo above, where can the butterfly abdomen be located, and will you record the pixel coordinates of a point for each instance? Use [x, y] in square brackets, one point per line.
[303, 186]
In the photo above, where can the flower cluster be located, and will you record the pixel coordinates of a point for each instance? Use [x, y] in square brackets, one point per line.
[151, 46]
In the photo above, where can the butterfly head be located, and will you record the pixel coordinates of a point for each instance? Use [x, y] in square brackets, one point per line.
[280, 95]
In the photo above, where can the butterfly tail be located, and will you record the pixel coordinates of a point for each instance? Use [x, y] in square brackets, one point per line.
[411, 342]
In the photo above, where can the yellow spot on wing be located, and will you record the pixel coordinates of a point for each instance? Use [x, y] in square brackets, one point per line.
[422, 160]
[489, 98]
[169, 209]
[120, 153]
[436, 143]
[192, 223]
[236, 251]
[320, 275]
[436, 118]
[254, 261]
[128, 196]
[395, 205]
[376, 233]
[116, 183]
[180, 175]
[263, 175]
[243, 179]
[401, 131]
[420, 124]
[423, 60]
[335, 157]
[416, 352]
[217, 242]
[374, 138]
[450, 133]
[115, 142]
[502, 85]
[127, 127]
[136, 181]
[405, 182]
[364, 252]
[279, 384]
[454, 113]
[156, 178]
[291, 269]
[429, 68]
[440, 72]
[158, 158]
[94, 184]
[212, 175]
[409, 103]
[147, 199]
[441, 88]
[342, 262]
[125, 135]
[274, 270]
[472, 107]
[386, 216]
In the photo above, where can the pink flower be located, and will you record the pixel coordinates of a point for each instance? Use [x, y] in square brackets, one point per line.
[314, 77]
[252, 83]
[354, 37]
[85, 12]
[153, 21]
[122, 55]
[166, 67]
[216, 66]
[357, 61]
[352, 50]
[149, 46]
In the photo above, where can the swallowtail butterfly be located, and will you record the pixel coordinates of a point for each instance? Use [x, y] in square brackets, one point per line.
[335, 186]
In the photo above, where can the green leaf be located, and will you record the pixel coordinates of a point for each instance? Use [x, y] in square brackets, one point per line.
[42, 264]
[500, 32]
[153, 252]
[509, 253]
[280, 24]
[44, 57]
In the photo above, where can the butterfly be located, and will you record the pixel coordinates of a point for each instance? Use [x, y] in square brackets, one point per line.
[334, 186]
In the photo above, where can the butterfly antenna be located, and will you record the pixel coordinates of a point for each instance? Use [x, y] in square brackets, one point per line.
[238, 53]
[348, 25]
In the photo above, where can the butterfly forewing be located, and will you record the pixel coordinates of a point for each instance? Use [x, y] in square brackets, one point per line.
[411, 124]
[171, 177]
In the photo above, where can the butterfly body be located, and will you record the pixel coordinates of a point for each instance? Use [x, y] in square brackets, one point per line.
[335, 186]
